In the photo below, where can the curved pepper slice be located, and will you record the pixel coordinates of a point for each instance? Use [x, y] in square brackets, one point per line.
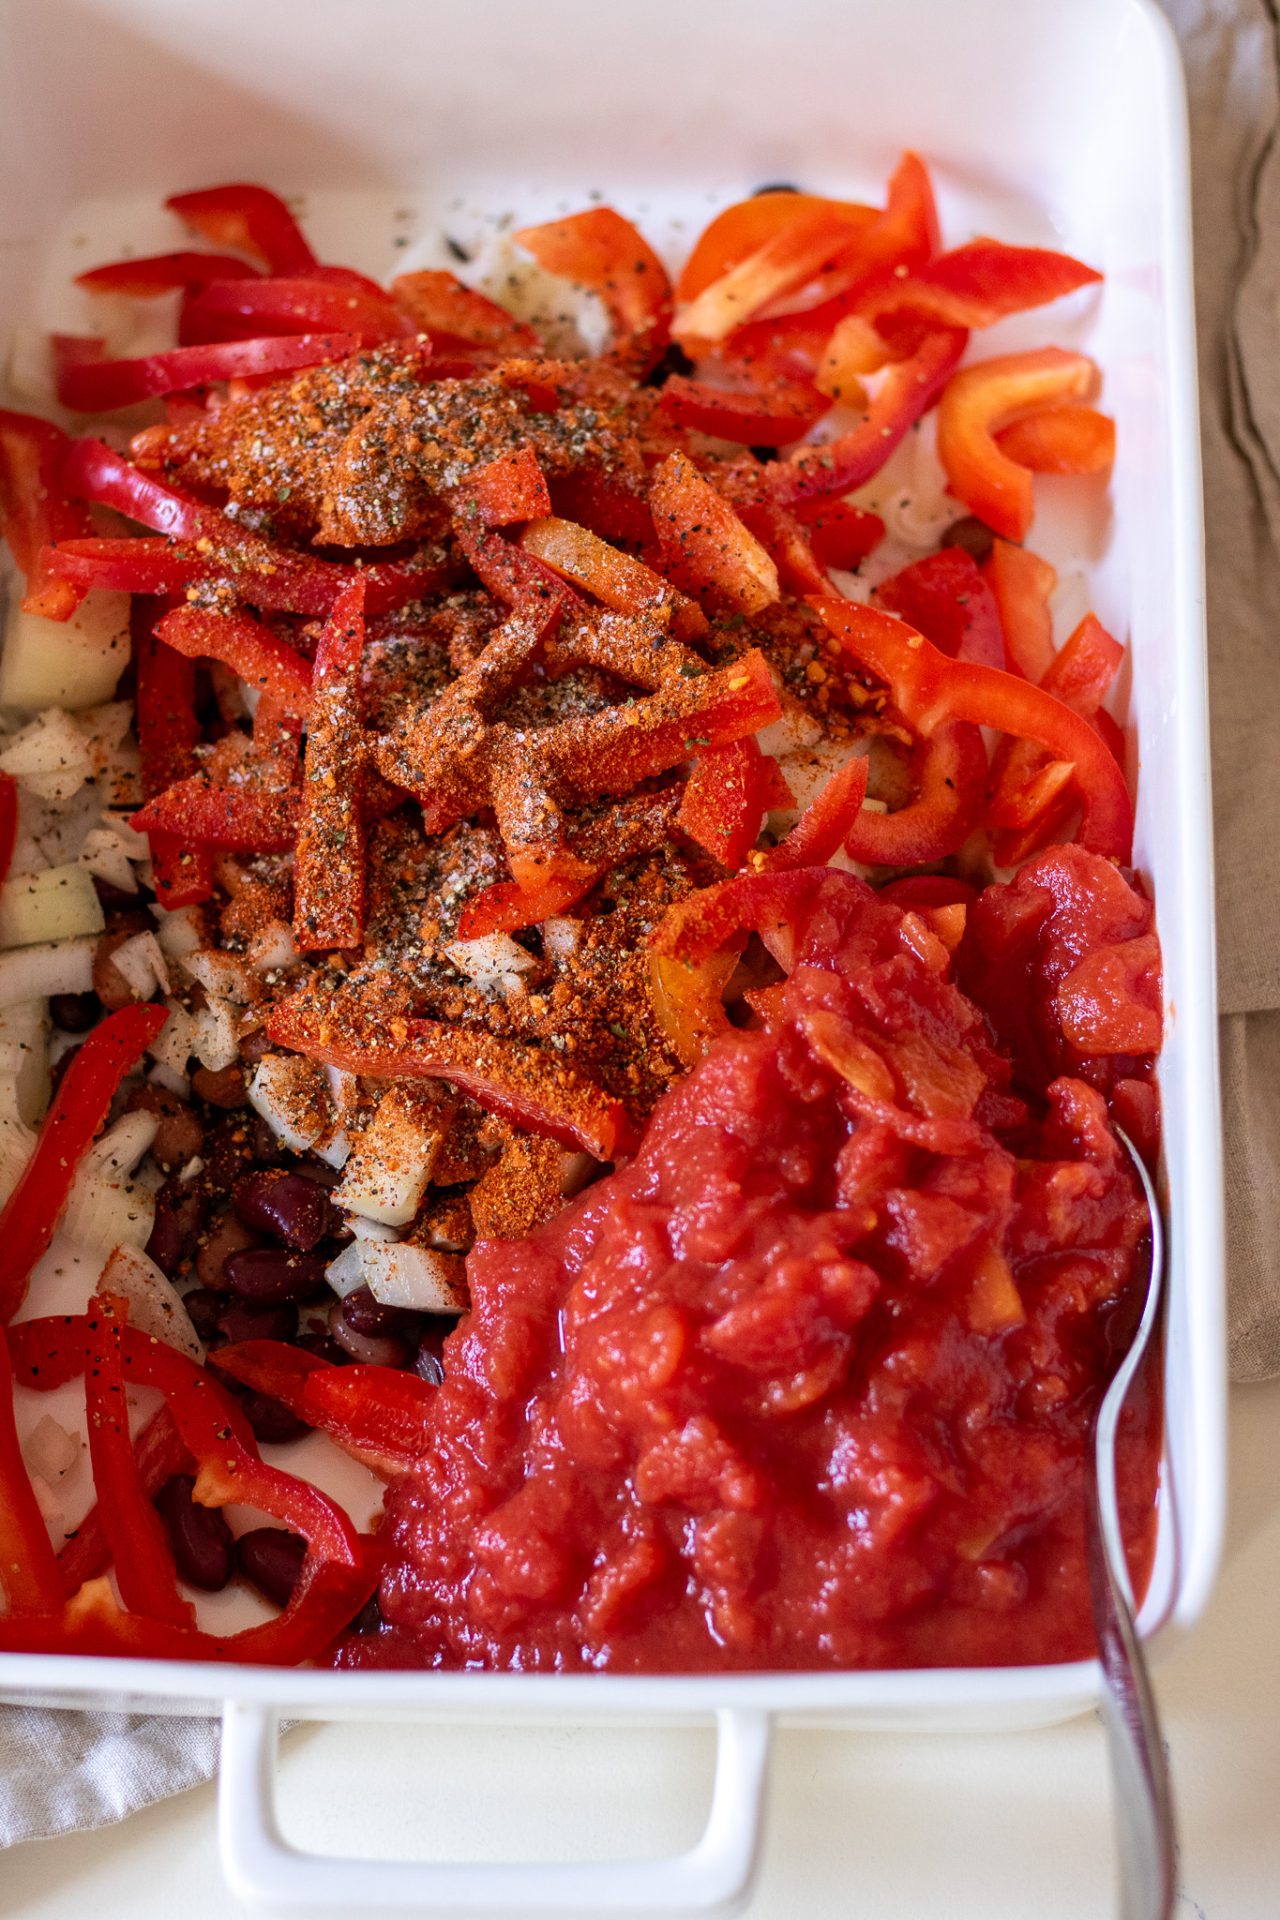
[240, 309]
[726, 797]
[160, 1454]
[1061, 440]
[37, 509]
[824, 826]
[748, 225]
[158, 273]
[615, 578]
[89, 383]
[929, 690]
[768, 414]
[380, 1415]
[1022, 582]
[458, 316]
[949, 780]
[705, 545]
[982, 400]
[258, 656]
[75, 1117]
[250, 218]
[604, 254]
[977, 284]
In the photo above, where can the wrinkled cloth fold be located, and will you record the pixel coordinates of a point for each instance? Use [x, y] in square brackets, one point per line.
[60, 1771]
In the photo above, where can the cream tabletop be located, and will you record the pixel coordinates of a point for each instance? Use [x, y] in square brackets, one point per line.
[905, 1828]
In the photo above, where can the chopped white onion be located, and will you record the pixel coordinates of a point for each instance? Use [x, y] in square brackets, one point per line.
[390, 1166]
[175, 1043]
[180, 932]
[101, 1214]
[494, 962]
[560, 936]
[794, 727]
[29, 973]
[345, 1273]
[50, 757]
[271, 949]
[17, 1143]
[105, 855]
[118, 1151]
[24, 1060]
[217, 1035]
[50, 1450]
[70, 664]
[141, 962]
[155, 1305]
[402, 1275]
[58, 904]
[292, 1095]
[224, 976]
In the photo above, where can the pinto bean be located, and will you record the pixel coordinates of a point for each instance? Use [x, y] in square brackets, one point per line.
[199, 1537]
[110, 985]
[179, 1210]
[289, 1206]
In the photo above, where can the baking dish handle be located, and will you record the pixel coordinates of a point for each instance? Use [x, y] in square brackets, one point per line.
[262, 1866]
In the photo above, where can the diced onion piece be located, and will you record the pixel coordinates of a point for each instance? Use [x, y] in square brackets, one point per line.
[390, 1167]
[118, 1151]
[73, 663]
[174, 1045]
[560, 936]
[141, 962]
[346, 1273]
[155, 1305]
[105, 856]
[217, 1035]
[271, 949]
[105, 1208]
[28, 973]
[794, 727]
[17, 1144]
[292, 1095]
[181, 932]
[223, 974]
[50, 1450]
[58, 904]
[50, 758]
[401, 1275]
[494, 962]
[24, 1060]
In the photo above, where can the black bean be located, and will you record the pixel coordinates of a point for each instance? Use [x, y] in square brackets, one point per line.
[674, 360]
[241, 1320]
[775, 186]
[974, 536]
[287, 1205]
[270, 1276]
[365, 1314]
[75, 1012]
[270, 1419]
[198, 1536]
[270, 1558]
[206, 1309]
[324, 1347]
[429, 1363]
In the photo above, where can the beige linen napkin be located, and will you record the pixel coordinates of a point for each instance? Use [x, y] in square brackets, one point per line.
[60, 1771]
[1231, 49]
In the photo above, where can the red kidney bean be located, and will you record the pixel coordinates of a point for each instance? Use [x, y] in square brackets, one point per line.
[205, 1308]
[268, 1276]
[324, 1347]
[235, 1146]
[371, 1350]
[226, 1236]
[271, 1420]
[365, 1314]
[179, 1212]
[198, 1536]
[241, 1320]
[288, 1205]
[270, 1558]
[75, 1012]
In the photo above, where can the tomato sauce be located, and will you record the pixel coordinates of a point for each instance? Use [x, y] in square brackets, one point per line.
[808, 1382]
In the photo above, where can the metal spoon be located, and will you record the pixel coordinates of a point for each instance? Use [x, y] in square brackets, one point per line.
[1145, 1830]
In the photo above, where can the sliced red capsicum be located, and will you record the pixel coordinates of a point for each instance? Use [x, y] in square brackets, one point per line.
[705, 545]
[726, 797]
[75, 1117]
[241, 310]
[982, 400]
[840, 534]
[250, 218]
[948, 767]
[615, 578]
[168, 733]
[456, 316]
[329, 857]
[826, 823]
[90, 383]
[945, 597]
[158, 273]
[160, 1453]
[260, 658]
[380, 1415]
[977, 284]
[1061, 440]
[931, 690]
[1022, 582]
[37, 509]
[907, 389]
[510, 489]
[8, 822]
[604, 254]
[748, 225]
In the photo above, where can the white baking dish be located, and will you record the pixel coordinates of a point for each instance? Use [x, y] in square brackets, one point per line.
[1043, 123]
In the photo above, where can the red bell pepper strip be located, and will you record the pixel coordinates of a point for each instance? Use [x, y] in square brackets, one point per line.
[506, 906]
[815, 238]
[28, 1570]
[945, 598]
[930, 689]
[379, 1414]
[145, 1573]
[949, 781]
[158, 273]
[1022, 582]
[744, 228]
[329, 858]
[252, 651]
[36, 508]
[69, 1128]
[510, 489]
[159, 1454]
[605, 504]
[826, 823]
[771, 415]
[1031, 792]
[604, 254]
[246, 819]
[982, 400]
[687, 1001]
[89, 383]
[249, 218]
[841, 534]
[531, 1088]
[1061, 440]
[8, 822]
[725, 799]
[908, 389]
[168, 734]
[227, 310]
[705, 545]
[456, 316]
[977, 284]
[612, 577]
